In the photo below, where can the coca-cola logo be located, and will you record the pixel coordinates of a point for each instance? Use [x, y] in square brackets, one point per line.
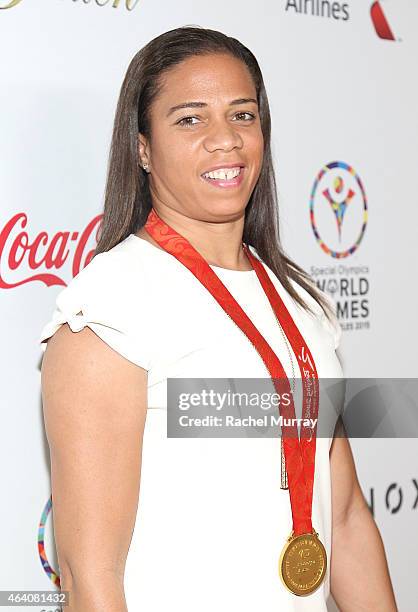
[43, 254]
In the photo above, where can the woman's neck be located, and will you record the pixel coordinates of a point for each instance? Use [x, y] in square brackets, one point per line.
[220, 244]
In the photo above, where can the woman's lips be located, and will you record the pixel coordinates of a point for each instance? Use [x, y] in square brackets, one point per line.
[225, 184]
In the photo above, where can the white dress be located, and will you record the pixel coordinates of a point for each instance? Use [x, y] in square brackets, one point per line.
[212, 519]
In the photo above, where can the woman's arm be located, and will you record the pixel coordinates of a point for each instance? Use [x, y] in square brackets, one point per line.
[360, 580]
[94, 403]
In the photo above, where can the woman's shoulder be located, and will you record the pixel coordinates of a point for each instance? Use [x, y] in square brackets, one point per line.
[107, 276]
[125, 267]
[330, 323]
[109, 295]
[128, 255]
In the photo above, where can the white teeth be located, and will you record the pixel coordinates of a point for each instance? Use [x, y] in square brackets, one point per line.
[225, 174]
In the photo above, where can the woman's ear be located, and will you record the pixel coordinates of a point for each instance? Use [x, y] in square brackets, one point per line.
[143, 153]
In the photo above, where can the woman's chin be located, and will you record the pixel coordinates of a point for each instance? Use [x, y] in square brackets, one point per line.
[225, 210]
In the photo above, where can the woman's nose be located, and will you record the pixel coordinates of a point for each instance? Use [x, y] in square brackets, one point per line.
[222, 135]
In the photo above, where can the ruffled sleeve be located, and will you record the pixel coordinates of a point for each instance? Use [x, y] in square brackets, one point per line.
[102, 296]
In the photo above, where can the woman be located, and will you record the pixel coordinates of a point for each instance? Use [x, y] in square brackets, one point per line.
[190, 184]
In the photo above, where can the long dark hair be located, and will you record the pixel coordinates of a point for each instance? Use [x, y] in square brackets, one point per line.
[127, 197]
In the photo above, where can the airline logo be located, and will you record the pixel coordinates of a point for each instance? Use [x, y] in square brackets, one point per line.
[380, 22]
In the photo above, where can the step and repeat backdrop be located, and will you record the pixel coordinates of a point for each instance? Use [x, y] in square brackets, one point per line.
[343, 91]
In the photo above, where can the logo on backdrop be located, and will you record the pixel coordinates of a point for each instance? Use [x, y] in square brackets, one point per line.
[42, 258]
[380, 22]
[332, 10]
[395, 498]
[338, 209]
[129, 4]
[48, 569]
[338, 216]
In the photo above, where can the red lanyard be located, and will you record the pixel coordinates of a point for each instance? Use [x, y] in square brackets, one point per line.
[300, 455]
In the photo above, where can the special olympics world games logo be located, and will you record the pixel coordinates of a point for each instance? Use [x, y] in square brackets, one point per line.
[338, 209]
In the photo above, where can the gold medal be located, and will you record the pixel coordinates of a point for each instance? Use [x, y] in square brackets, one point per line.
[303, 563]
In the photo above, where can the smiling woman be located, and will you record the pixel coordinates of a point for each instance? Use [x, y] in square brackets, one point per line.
[189, 280]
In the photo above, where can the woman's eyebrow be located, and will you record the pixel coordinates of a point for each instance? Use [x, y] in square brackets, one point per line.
[201, 104]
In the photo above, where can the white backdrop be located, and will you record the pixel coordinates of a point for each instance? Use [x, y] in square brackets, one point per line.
[343, 92]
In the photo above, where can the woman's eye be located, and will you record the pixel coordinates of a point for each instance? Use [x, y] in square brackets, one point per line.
[188, 121]
[242, 114]
[185, 121]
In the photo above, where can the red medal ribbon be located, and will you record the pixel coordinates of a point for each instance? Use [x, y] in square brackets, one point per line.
[300, 455]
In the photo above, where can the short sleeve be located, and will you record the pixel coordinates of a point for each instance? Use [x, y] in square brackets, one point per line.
[102, 297]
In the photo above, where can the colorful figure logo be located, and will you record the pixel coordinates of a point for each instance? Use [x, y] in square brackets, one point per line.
[338, 206]
[50, 572]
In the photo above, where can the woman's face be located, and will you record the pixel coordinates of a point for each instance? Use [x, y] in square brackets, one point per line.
[217, 127]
